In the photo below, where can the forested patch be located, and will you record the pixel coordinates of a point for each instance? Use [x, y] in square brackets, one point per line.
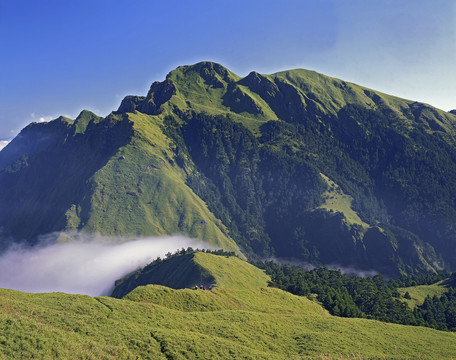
[371, 297]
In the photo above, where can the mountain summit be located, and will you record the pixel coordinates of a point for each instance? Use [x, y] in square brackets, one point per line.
[296, 165]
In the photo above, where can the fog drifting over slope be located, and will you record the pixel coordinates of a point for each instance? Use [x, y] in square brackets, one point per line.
[346, 270]
[88, 265]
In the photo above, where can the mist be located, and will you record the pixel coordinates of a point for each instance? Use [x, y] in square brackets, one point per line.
[86, 265]
[346, 270]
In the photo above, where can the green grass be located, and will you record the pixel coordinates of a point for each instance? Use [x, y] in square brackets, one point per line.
[194, 268]
[142, 191]
[232, 272]
[419, 293]
[248, 321]
[197, 94]
[336, 200]
[333, 94]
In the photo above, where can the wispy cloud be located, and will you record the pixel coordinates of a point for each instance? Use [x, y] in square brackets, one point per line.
[88, 265]
[41, 118]
[45, 118]
[3, 143]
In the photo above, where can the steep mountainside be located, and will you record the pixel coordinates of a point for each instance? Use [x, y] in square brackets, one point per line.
[294, 165]
[238, 319]
[115, 176]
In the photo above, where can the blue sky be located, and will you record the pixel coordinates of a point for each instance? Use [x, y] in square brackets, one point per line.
[59, 57]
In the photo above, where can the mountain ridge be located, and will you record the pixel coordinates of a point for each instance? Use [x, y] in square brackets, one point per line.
[238, 162]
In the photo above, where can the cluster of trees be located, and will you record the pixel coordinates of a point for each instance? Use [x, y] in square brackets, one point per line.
[438, 312]
[190, 250]
[371, 297]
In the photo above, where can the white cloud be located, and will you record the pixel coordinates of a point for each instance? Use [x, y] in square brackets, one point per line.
[41, 118]
[45, 118]
[89, 265]
[3, 143]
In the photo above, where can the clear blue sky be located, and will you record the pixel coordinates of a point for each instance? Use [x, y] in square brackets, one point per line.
[59, 57]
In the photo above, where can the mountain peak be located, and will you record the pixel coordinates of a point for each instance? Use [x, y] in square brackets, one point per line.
[203, 67]
[84, 114]
[83, 120]
[212, 74]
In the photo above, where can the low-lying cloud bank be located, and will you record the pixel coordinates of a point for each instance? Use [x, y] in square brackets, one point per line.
[346, 270]
[88, 265]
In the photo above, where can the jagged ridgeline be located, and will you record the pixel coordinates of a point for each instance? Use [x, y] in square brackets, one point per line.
[294, 165]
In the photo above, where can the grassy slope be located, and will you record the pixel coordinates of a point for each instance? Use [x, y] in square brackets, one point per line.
[336, 200]
[245, 321]
[42, 194]
[196, 93]
[335, 93]
[186, 271]
[419, 293]
[142, 191]
[232, 272]
[133, 189]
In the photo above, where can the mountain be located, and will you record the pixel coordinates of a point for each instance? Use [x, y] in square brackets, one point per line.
[240, 318]
[295, 165]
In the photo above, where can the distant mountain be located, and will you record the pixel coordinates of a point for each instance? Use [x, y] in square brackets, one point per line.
[294, 165]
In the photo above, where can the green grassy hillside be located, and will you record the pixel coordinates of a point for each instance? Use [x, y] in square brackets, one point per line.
[190, 268]
[142, 190]
[247, 321]
[419, 293]
[115, 176]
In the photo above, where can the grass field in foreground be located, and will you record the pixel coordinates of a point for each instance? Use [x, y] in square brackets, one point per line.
[247, 321]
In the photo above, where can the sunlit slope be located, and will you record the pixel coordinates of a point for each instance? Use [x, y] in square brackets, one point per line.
[329, 95]
[190, 269]
[290, 95]
[247, 321]
[419, 293]
[231, 272]
[142, 191]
